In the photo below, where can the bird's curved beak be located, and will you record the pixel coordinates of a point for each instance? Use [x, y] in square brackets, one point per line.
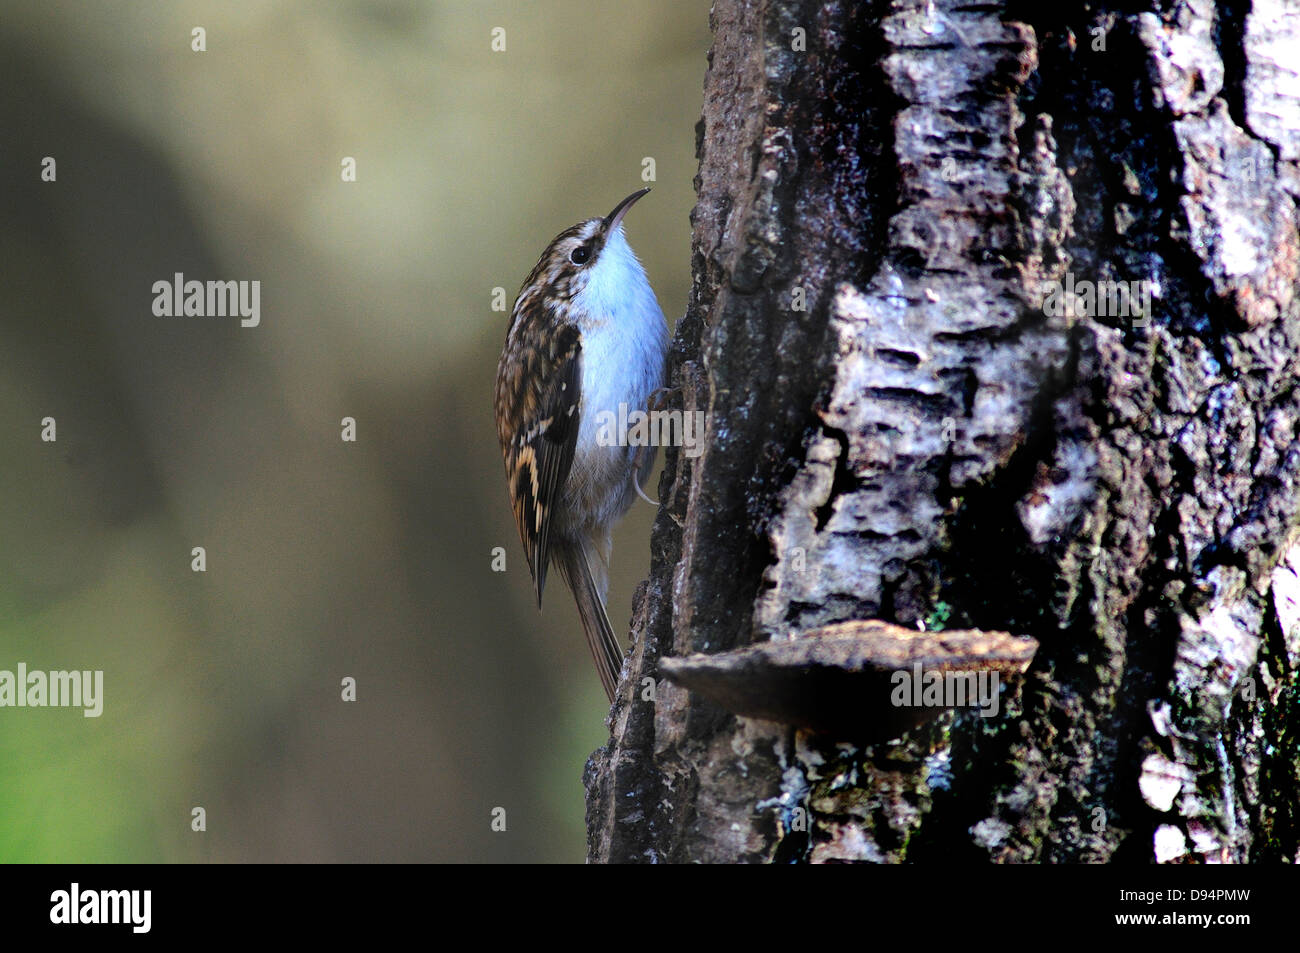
[616, 216]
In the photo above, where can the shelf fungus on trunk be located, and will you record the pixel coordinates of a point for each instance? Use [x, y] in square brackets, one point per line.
[865, 680]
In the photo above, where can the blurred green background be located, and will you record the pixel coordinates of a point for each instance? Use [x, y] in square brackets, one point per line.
[325, 559]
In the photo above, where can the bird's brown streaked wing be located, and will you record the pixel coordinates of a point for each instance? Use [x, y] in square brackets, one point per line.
[542, 395]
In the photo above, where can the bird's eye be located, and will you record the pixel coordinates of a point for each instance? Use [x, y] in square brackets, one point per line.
[580, 255]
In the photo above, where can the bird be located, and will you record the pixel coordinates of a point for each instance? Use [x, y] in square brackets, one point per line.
[586, 337]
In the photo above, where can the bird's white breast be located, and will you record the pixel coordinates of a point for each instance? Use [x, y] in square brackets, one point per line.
[624, 343]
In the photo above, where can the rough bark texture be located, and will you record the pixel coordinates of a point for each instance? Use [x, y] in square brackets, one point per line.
[902, 425]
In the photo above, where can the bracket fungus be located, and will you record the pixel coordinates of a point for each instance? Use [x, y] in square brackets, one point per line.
[864, 680]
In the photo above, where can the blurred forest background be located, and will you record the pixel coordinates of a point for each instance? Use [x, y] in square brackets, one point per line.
[325, 559]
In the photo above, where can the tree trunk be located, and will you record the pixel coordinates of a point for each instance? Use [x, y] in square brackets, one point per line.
[918, 412]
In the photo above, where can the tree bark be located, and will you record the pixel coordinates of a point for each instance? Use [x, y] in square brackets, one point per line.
[905, 424]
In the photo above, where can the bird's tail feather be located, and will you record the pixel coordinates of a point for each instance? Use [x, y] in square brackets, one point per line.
[575, 564]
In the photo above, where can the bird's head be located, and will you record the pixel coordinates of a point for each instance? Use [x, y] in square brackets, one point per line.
[590, 260]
